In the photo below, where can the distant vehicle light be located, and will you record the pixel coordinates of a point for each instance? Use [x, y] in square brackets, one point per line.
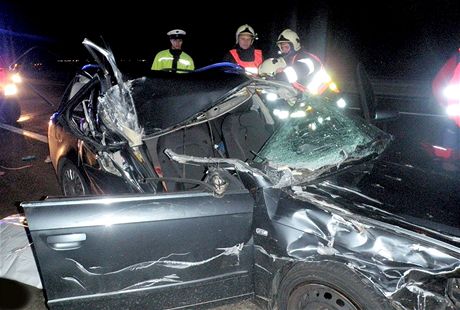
[16, 78]
[10, 89]
[453, 110]
[24, 118]
[452, 91]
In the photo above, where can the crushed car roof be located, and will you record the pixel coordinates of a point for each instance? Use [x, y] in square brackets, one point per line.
[165, 99]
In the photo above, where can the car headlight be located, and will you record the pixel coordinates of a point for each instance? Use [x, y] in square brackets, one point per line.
[10, 89]
[16, 78]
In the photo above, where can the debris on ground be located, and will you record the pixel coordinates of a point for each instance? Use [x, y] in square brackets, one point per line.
[48, 159]
[15, 168]
[28, 158]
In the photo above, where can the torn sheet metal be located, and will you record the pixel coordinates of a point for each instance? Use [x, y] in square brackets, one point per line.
[117, 111]
[116, 105]
[238, 164]
[16, 258]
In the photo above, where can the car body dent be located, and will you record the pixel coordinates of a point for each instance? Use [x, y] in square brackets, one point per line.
[206, 252]
[312, 223]
[410, 269]
[170, 261]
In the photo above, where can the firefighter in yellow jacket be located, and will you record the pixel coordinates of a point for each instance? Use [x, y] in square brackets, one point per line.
[174, 59]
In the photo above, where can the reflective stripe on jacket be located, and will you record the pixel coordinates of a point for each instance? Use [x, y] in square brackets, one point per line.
[250, 66]
[165, 60]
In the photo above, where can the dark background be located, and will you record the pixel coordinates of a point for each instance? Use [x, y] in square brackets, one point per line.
[394, 39]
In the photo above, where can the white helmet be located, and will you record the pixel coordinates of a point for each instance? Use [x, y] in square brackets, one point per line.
[176, 34]
[270, 66]
[289, 36]
[245, 29]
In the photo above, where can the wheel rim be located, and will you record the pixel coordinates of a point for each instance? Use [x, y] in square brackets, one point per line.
[72, 183]
[319, 297]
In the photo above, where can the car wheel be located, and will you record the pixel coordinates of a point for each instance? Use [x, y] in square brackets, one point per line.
[72, 181]
[328, 285]
[10, 111]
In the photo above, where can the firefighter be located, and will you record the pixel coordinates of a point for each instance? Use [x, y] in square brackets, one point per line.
[244, 53]
[174, 59]
[303, 70]
[291, 50]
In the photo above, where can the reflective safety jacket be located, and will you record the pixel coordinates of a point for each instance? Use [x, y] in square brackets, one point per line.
[173, 59]
[249, 66]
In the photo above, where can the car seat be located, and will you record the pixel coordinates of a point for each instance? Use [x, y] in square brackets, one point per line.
[193, 141]
[244, 132]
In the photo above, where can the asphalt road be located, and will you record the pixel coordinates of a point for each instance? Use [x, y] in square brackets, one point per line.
[22, 179]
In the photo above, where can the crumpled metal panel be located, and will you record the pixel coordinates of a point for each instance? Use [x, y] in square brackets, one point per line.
[411, 270]
[117, 111]
[116, 105]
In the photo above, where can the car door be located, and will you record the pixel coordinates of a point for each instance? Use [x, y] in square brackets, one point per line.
[148, 251]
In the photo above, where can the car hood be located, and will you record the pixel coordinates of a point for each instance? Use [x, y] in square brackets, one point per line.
[397, 194]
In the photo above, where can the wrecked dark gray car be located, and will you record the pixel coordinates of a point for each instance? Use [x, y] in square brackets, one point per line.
[237, 187]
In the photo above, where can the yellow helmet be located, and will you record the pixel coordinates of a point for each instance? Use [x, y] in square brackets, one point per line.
[289, 36]
[246, 29]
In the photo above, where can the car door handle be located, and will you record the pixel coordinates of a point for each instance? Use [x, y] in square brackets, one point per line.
[66, 242]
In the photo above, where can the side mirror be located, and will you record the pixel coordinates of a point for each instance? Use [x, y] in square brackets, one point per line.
[368, 101]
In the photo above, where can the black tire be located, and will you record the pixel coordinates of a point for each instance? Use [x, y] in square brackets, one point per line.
[328, 285]
[72, 181]
[10, 111]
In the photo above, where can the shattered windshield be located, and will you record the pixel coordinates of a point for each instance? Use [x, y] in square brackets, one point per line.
[318, 135]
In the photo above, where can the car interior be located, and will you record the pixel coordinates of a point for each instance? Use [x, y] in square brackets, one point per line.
[240, 133]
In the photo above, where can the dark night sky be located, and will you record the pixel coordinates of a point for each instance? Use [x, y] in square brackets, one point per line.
[405, 38]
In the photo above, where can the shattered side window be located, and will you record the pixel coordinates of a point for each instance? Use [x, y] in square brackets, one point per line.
[78, 83]
[319, 135]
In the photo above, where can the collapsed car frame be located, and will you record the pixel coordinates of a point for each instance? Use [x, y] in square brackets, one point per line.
[211, 215]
